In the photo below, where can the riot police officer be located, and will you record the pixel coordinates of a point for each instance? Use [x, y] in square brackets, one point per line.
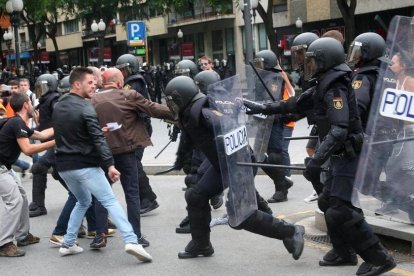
[129, 66]
[277, 148]
[332, 107]
[64, 86]
[198, 120]
[363, 54]
[46, 89]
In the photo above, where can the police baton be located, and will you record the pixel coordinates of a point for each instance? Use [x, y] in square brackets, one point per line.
[391, 141]
[301, 137]
[275, 166]
[166, 171]
[156, 156]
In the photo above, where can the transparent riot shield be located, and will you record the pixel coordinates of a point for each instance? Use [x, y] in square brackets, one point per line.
[384, 180]
[225, 97]
[259, 126]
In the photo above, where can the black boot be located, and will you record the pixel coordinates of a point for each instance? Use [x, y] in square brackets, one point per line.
[262, 204]
[278, 196]
[368, 269]
[296, 243]
[332, 258]
[184, 227]
[195, 249]
[377, 261]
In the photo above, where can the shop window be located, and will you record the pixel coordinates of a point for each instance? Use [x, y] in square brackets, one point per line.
[217, 40]
[230, 41]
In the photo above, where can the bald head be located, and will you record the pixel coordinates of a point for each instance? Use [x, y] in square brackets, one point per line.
[112, 78]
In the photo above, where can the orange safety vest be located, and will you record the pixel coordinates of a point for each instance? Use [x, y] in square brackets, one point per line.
[285, 96]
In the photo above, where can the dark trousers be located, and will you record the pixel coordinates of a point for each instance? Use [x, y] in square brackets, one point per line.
[145, 190]
[39, 170]
[126, 164]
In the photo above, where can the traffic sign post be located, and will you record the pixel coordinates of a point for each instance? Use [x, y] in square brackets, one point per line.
[136, 37]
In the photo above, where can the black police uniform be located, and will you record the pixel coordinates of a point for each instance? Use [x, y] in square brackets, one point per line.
[146, 194]
[340, 132]
[41, 167]
[197, 120]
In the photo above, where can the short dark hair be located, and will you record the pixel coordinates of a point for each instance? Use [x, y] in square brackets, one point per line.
[13, 83]
[78, 74]
[17, 100]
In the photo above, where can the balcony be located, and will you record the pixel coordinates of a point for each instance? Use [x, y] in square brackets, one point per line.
[201, 12]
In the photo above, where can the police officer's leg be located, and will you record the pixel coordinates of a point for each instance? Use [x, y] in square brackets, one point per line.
[278, 177]
[39, 170]
[146, 194]
[341, 253]
[350, 224]
[266, 225]
[199, 214]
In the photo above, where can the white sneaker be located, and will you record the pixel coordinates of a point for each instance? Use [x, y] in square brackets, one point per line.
[74, 249]
[224, 219]
[311, 198]
[138, 251]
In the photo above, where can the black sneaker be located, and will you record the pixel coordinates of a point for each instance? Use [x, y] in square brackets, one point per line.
[333, 259]
[216, 201]
[142, 241]
[39, 211]
[148, 207]
[99, 241]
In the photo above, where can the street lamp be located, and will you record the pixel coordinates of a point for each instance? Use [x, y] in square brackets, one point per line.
[14, 8]
[299, 24]
[180, 37]
[98, 30]
[7, 37]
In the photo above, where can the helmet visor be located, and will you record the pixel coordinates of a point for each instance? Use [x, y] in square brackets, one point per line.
[258, 63]
[172, 106]
[298, 57]
[182, 72]
[354, 53]
[310, 66]
[41, 88]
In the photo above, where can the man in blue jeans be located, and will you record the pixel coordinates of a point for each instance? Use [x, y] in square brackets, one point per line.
[116, 105]
[81, 150]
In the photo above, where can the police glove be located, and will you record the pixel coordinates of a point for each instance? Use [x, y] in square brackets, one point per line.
[313, 169]
[253, 107]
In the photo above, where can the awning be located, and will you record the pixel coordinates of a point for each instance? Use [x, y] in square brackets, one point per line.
[23, 55]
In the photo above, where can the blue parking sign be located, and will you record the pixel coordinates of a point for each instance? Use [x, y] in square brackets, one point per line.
[136, 33]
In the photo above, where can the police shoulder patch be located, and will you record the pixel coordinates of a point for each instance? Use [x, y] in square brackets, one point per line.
[338, 103]
[356, 84]
[127, 87]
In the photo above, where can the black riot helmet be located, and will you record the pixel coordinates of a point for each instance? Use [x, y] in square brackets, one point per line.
[128, 64]
[323, 54]
[299, 47]
[266, 60]
[180, 92]
[365, 48]
[186, 68]
[205, 78]
[64, 85]
[45, 83]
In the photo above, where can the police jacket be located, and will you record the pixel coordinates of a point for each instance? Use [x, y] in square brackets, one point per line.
[137, 82]
[80, 142]
[363, 83]
[198, 120]
[46, 105]
[335, 103]
[124, 107]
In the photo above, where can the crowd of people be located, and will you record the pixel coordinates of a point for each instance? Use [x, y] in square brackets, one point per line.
[94, 125]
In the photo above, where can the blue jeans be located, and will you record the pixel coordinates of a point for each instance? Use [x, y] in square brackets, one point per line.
[126, 163]
[62, 222]
[278, 144]
[23, 165]
[84, 183]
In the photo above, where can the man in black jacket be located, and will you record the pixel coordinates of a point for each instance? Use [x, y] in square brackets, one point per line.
[81, 150]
